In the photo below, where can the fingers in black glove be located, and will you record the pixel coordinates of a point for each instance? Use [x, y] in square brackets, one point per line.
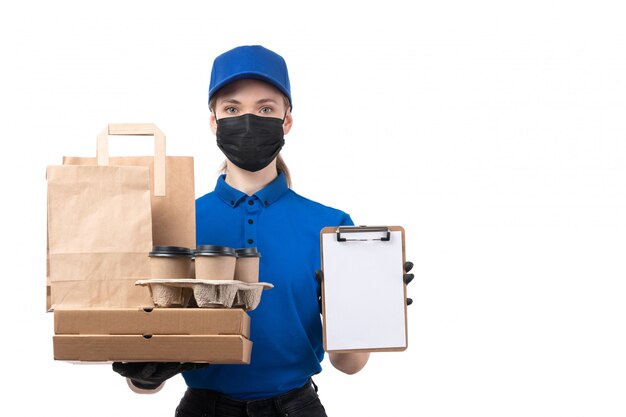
[150, 375]
[408, 277]
[319, 276]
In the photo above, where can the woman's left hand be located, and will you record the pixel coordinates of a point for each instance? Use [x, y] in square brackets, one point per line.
[408, 278]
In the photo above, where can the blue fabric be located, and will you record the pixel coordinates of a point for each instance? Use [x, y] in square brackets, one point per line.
[285, 329]
[250, 61]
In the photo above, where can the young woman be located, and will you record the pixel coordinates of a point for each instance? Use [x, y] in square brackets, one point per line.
[253, 206]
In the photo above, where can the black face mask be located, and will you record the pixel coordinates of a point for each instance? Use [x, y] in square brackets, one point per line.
[249, 141]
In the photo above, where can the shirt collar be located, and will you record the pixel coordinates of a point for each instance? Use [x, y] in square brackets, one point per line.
[269, 194]
[273, 191]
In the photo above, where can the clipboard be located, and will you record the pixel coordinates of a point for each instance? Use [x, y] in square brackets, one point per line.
[363, 290]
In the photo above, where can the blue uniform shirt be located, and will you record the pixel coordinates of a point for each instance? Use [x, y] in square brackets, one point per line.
[285, 328]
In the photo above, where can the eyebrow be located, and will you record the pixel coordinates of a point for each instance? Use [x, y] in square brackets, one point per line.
[261, 101]
[266, 100]
[229, 100]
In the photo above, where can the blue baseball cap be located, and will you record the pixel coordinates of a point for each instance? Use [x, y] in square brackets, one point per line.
[250, 61]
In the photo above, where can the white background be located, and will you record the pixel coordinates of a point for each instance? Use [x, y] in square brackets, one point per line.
[493, 131]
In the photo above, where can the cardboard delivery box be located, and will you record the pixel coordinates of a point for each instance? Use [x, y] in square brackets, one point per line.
[162, 335]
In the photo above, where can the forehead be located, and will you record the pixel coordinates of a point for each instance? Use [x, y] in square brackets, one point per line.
[249, 89]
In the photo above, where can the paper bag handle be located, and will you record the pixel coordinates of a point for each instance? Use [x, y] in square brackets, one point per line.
[136, 129]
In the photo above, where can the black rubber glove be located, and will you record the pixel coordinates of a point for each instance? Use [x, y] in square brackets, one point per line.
[319, 277]
[150, 375]
[408, 278]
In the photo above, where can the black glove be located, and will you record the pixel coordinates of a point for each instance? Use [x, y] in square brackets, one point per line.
[408, 278]
[319, 277]
[150, 375]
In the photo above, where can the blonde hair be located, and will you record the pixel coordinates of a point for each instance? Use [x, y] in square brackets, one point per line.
[281, 166]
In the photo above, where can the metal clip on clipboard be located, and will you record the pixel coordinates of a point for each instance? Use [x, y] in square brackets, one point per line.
[363, 229]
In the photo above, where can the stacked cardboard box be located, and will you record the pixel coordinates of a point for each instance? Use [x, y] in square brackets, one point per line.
[161, 335]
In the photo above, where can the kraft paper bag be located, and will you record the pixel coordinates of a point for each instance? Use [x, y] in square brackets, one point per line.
[172, 183]
[171, 193]
[99, 235]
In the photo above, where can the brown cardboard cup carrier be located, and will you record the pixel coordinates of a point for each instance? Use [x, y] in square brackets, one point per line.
[104, 216]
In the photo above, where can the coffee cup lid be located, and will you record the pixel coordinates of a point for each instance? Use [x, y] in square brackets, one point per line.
[170, 251]
[248, 253]
[214, 250]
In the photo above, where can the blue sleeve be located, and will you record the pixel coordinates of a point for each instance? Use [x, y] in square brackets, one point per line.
[346, 220]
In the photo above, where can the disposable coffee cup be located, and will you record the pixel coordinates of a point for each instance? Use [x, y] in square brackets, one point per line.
[215, 262]
[247, 266]
[171, 262]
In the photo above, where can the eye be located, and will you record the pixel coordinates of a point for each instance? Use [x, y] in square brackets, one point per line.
[230, 110]
[265, 110]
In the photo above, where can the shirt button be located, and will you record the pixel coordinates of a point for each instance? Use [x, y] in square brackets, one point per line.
[250, 241]
[250, 202]
[232, 203]
[267, 203]
[250, 221]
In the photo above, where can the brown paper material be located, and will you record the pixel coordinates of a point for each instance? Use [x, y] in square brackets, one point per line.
[99, 234]
[171, 183]
[173, 215]
[171, 194]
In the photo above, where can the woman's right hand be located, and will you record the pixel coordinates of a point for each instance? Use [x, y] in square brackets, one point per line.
[151, 375]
